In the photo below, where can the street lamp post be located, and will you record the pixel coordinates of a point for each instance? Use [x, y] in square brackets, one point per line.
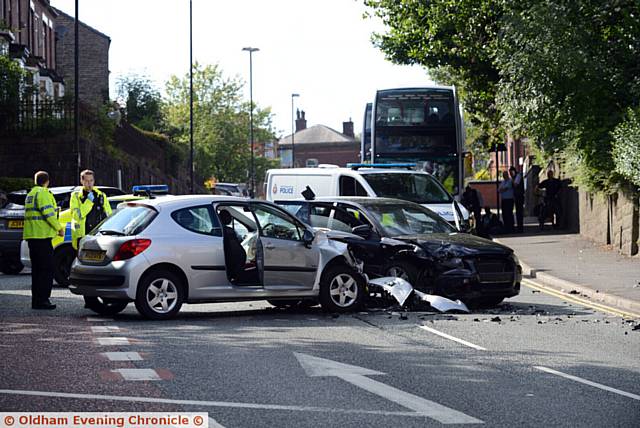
[252, 171]
[76, 91]
[191, 97]
[293, 133]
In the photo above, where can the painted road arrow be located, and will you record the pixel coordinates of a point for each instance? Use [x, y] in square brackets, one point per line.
[319, 367]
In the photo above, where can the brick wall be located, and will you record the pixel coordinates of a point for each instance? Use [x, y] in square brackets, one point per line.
[333, 153]
[610, 220]
[94, 60]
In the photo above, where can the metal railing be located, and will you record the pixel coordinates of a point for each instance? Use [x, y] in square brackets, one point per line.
[41, 117]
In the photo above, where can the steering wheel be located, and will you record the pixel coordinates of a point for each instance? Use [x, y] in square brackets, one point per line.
[268, 226]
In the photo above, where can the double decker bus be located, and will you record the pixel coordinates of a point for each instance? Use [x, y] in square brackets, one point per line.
[417, 125]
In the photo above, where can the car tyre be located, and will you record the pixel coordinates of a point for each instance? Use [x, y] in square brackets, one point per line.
[63, 259]
[160, 295]
[105, 306]
[11, 267]
[342, 289]
[404, 270]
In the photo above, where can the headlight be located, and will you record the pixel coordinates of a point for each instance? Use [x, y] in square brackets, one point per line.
[454, 263]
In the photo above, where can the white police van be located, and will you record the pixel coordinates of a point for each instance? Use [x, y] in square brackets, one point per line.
[398, 181]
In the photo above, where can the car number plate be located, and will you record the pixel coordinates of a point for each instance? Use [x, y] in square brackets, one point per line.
[93, 256]
[16, 224]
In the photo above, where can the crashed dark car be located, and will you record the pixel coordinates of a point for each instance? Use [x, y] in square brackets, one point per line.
[406, 240]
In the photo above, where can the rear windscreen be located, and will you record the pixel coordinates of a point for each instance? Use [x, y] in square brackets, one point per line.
[126, 221]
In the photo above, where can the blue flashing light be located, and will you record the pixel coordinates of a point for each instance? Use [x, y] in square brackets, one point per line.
[150, 188]
[381, 165]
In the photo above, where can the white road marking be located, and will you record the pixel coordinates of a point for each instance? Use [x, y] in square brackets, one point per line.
[229, 404]
[105, 329]
[315, 366]
[138, 374]
[96, 319]
[122, 356]
[455, 339]
[214, 424]
[109, 341]
[588, 382]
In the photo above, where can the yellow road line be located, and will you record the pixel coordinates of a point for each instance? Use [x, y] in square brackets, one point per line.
[584, 302]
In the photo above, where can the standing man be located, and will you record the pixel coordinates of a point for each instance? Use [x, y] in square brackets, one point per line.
[89, 207]
[40, 225]
[506, 199]
[518, 196]
[551, 206]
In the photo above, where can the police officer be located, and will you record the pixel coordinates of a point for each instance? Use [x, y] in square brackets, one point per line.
[40, 225]
[89, 207]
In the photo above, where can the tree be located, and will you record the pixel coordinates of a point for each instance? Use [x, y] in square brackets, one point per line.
[626, 148]
[221, 124]
[142, 101]
[455, 41]
[569, 71]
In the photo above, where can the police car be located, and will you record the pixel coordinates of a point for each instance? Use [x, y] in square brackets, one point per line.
[63, 251]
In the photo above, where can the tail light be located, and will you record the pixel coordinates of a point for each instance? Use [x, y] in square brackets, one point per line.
[131, 249]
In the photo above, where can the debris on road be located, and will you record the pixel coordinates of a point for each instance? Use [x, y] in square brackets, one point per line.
[401, 290]
[496, 319]
[574, 292]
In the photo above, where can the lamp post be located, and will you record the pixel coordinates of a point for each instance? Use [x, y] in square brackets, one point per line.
[191, 179]
[293, 133]
[76, 91]
[252, 168]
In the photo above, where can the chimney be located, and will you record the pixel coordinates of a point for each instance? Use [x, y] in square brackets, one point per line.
[347, 128]
[301, 122]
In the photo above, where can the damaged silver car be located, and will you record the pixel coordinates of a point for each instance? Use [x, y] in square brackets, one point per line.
[162, 253]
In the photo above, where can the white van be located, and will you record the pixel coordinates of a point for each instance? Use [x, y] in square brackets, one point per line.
[389, 181]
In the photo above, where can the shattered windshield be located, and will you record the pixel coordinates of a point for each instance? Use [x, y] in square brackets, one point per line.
[399, 219]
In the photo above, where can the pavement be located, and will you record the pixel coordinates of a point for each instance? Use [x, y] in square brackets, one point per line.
[570, 264]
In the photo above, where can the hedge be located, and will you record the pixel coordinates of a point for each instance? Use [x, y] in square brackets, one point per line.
[10, 184]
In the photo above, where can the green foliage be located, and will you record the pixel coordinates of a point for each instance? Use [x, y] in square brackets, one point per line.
[483, 174]
[221, 124]
[12, 80]
[142, 101]
[456, 41]
[626, 147]
[11, 184]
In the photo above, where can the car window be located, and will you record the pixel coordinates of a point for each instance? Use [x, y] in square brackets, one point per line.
[240, 220]
[408, 219]
[346, 219]
[300, 210]
[128, 221]
[276, 224]
[198, 220]
[319, 216]
[349, 186]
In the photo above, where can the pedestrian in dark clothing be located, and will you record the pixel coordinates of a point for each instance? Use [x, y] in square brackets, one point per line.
[518, 196]
[551, 207]
[472, 201]
[506, 198]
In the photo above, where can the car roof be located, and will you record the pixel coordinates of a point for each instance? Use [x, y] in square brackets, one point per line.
[334, 170]
[362, 200]
[186, 200]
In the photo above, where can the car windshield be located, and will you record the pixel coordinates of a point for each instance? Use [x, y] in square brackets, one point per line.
[398, 219]
[126, 221]
[418, 188]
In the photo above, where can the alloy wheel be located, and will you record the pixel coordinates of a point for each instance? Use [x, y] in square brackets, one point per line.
[162, 295]
[343, 290]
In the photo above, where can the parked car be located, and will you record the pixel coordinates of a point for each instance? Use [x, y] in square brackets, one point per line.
[231, 189]
[12, 223]
[164, 252]
[406, 240]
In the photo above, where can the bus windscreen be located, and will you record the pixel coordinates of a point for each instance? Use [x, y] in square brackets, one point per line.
[415, 108]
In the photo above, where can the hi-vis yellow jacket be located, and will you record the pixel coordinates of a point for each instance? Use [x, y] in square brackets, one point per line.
[40, 220]
[79, 211]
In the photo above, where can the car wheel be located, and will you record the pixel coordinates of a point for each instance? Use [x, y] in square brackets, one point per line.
[403, 270]
[105, 306]
[63, 259]
[11, 267]
[342, 289]
[160, 295]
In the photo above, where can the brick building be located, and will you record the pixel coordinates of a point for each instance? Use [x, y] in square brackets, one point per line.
[28, 36]
[93, 61]
[319, 144]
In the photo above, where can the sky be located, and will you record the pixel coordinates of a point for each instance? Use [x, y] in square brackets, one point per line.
[320, 49]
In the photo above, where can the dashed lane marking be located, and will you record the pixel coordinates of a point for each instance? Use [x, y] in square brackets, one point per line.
[143, 374]
[105, 329]
[202, 403]
[588, 382]
[122, 356]
[455, 339]
[111, 341]
[97, 319]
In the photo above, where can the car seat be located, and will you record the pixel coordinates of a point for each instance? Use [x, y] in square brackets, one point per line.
[235, 256]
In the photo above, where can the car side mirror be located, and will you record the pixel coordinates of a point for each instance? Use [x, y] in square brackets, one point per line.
[308, 237]
[364, 231]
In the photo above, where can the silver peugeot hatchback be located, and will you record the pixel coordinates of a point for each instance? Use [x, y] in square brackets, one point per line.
[161, 253]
